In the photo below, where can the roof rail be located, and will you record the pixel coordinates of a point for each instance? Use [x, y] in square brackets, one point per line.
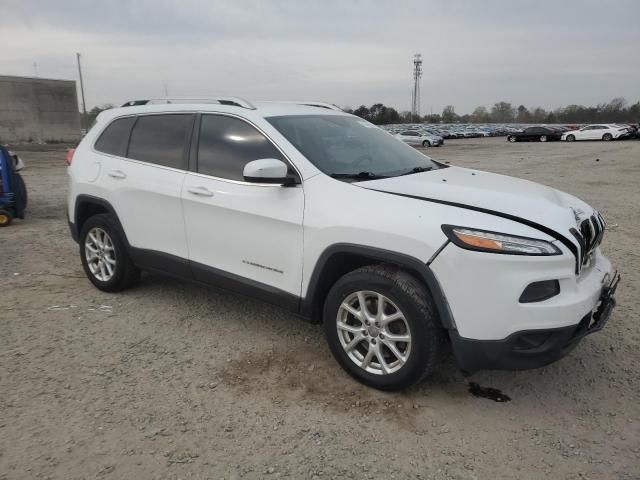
[329, 106]
[234, 101]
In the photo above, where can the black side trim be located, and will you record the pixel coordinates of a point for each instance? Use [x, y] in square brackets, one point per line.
[183, 269]
[382, 256]
[161, 262]
[565, 241]
[245, 286]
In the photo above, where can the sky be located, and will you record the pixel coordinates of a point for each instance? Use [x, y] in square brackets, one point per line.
[546, 53]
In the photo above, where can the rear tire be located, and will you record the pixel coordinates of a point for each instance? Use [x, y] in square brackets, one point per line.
[543, 138]
[393, 364]
[426, 144]
[607, 137]
[104, 255]
[512, 138]
[571, 138]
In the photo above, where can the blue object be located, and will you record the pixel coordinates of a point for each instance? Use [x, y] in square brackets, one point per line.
[13, 194]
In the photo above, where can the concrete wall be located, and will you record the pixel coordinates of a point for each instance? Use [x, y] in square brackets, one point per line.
[38, 110]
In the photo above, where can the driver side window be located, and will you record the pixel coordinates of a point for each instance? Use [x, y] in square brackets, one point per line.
[227, 144]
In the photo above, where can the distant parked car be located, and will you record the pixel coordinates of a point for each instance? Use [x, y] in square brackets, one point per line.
[601, 131]
[535, 134]
[418, 139]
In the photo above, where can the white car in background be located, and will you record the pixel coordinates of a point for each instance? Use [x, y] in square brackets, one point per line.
[601, 131]
[420, 139]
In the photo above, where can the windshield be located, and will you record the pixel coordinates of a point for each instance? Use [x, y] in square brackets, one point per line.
[350, 147]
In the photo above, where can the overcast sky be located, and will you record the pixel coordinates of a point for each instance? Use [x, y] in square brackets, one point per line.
[545, 53]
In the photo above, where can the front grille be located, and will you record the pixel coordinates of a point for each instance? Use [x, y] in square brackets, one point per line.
[589, 236]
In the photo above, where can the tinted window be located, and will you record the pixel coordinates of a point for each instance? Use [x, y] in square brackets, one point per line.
[227, 144]
[115, 137]
[531, 130]
[161, 139]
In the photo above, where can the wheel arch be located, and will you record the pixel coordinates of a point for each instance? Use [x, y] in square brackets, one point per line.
[86, 206]
[339, 259]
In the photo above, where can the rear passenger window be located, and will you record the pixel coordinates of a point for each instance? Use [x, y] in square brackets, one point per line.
[227, 144]
[161, 139]
[115, 137]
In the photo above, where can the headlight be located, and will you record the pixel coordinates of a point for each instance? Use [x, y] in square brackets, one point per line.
[484, 241]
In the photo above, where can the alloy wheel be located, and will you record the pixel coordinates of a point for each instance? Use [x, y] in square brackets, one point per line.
[373, 332]
[100, 254]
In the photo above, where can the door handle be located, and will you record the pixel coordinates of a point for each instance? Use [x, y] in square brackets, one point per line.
[200, 191]
[119, 174]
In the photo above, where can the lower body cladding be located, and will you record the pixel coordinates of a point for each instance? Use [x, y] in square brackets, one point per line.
[496, 330]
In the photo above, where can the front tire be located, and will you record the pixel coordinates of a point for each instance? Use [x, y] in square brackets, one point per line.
[607, 137]
[104, 254]
[512, 138]
[426, 144]
[543, 138]
[571, 138]
[382, 328]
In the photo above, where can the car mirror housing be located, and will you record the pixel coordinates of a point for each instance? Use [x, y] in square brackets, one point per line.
[268, 170]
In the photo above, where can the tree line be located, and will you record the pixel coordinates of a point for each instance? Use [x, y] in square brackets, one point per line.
[615, 111]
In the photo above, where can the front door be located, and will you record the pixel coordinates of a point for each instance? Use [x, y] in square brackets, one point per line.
[242, 235]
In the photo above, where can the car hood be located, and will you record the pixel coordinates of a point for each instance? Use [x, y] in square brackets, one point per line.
[490, 192]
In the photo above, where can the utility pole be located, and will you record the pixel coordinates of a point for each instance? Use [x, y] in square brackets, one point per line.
[415, 95]
[84, 103]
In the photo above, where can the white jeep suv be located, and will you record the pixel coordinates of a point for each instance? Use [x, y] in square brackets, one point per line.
[320, 212]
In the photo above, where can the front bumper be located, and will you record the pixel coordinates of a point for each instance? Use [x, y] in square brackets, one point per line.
[532, 348]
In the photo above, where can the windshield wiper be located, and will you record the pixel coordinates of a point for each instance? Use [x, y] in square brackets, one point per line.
[358, 176]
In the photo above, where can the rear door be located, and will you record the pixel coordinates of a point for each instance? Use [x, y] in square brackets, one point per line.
[241, 235]
[147, 187]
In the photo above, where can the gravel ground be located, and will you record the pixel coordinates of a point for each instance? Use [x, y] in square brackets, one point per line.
[172, 380]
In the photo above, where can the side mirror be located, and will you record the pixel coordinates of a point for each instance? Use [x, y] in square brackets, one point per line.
[268, 170]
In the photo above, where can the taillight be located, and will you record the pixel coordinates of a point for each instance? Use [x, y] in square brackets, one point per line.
[70, 153]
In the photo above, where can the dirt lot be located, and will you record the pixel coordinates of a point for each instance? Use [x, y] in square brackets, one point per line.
[171, 380]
